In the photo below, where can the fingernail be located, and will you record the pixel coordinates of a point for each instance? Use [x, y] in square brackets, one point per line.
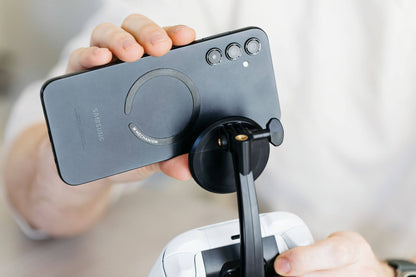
[283, 265]
[157, 38]
[128, 43]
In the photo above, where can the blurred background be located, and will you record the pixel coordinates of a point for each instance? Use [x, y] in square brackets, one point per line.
[32, 34]
[132, 235]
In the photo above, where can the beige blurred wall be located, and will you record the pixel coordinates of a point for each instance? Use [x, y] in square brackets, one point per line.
[33, 32]
[32, 35]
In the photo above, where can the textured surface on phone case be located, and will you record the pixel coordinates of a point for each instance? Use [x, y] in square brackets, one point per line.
[90, 130]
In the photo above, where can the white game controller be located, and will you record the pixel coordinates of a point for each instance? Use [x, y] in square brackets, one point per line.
[207, 251]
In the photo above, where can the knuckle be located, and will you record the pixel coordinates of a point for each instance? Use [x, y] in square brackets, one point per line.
[87, 57]
[132, 18]
[75, 53]
[360, 241]
[103, 27]
[101, 34]
[176, 28]
[349, 245]
[150, 27]
[118, 38]
[343, 253]
[140, 25]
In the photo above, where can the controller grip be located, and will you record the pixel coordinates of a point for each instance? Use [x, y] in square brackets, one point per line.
[185, 255]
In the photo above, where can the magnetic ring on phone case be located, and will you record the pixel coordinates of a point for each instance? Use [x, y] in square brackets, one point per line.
[163, 104]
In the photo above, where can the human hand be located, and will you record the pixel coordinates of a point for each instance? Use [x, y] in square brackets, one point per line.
[33, 185]
[136, 36]
[341, 254]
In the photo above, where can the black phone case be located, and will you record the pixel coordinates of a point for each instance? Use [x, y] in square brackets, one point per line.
[128, 115]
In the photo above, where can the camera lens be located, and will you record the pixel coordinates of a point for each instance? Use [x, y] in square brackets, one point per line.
[214, 56]
[253, 46]
[233, 51]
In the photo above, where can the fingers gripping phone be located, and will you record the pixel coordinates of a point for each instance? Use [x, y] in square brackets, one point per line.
[124, 116]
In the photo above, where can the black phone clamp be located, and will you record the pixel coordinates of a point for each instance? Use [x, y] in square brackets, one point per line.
[227, 157]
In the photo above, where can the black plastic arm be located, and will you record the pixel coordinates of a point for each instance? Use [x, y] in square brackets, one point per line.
[252, 260]
[227, 157]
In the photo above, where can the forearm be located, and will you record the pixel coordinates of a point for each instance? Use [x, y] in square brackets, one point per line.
[33, 186]
[35, 191]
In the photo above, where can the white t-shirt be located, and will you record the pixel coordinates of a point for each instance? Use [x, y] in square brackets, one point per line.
[346, 73]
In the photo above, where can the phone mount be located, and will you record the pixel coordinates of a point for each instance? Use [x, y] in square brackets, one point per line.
[227, 157]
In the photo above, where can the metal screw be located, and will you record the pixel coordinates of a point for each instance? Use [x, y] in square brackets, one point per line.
[241, 137]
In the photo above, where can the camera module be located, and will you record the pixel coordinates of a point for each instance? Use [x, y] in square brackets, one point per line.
[252, 46]
[233, 51]
[214, 56]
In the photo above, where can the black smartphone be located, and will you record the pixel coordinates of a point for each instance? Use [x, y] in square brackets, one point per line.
[124, 116]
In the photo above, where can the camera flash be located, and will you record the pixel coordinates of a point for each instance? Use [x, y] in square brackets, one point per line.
[245, 63]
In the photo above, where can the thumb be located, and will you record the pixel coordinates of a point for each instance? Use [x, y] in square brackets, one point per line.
[177, 168]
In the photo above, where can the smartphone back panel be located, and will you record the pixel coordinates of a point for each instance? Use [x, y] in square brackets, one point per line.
[128, 115]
